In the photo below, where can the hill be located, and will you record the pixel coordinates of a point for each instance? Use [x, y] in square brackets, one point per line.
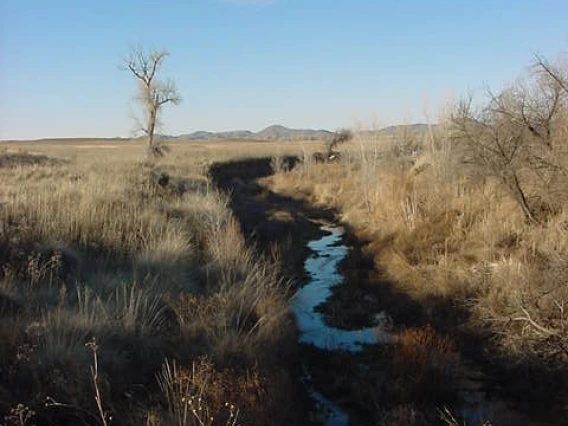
[274, 132]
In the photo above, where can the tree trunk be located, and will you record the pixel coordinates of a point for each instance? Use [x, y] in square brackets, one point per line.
[152, 149]
[522, 199]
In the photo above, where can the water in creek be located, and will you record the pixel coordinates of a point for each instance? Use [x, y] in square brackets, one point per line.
[321, 266]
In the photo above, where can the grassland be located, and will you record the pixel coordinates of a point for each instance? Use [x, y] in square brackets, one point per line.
[130, 299]
[128, 295]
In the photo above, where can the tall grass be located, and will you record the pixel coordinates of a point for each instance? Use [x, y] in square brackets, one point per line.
[437, 228]
[101, 249]
[444, 223]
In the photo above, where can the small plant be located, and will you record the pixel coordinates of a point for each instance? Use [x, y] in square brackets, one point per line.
[103, 416]
[278, 164]
[185, 393]
[20, 415]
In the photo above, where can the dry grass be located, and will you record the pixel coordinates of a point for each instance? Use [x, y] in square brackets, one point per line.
[454, 238]
[203, 395]
[439, 230]
[424, 357]
[458, 245]
[95, 247]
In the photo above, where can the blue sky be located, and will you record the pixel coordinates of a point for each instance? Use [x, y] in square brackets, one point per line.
[251, 63]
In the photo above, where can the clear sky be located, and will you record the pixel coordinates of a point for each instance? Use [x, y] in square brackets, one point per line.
[246, 64]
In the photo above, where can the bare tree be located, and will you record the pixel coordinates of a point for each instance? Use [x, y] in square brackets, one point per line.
[339, 137]
[519, 137]
[153, 93]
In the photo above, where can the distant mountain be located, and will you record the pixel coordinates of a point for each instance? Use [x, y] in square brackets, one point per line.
[275, 132]
[278, 132]
[281, 132]
[399, 130]
[413, 128]
[198, 135]
[235, 134]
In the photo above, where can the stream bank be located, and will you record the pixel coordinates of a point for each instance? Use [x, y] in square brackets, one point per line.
[409, 382]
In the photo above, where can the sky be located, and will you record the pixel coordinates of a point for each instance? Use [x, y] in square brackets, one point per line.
[247, 64]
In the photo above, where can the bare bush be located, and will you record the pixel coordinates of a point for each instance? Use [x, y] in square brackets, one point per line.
[341, 136]
[519, 137]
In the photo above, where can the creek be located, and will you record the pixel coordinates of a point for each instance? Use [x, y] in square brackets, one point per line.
[322, 268]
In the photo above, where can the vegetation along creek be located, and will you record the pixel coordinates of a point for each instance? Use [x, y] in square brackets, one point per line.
[377, 361]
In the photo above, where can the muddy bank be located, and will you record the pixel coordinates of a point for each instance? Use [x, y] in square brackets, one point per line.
[276, 225]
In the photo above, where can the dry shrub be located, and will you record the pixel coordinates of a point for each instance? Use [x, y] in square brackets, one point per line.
[518, 137]
[422, 362]
[444, 211]
[526, 303]
[204, 396]
[227, 249]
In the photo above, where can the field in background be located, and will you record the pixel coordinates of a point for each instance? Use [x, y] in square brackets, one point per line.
[215, 150]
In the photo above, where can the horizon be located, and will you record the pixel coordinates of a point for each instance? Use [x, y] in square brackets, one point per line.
[181, 135]
[249, 64]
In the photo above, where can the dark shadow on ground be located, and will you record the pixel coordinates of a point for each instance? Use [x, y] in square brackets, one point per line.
[270, 222]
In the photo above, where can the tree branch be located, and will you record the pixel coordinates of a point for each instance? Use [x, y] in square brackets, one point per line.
[545, 67]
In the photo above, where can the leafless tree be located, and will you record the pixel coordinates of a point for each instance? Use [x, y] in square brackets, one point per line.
[339, 137]
[153, 93]
[520, 137]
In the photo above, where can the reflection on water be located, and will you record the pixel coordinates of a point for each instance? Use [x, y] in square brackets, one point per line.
[322, 268]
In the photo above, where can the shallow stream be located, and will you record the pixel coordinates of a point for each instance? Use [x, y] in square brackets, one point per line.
[322, 267]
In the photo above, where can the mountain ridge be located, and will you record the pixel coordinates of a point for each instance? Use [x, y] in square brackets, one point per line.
[279, 132]
[272, 132]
